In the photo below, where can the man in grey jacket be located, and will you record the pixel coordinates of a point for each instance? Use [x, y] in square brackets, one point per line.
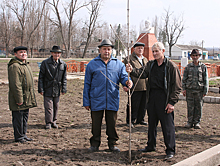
[52, 79]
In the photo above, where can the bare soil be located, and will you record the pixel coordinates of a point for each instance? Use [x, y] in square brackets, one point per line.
[69, 144]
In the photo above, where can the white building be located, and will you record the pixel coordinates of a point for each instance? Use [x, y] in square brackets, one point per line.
[180, 51]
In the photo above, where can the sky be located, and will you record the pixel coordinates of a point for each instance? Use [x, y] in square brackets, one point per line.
[201, 17]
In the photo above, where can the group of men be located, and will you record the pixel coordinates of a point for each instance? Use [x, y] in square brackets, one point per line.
[52, 80]
[155, 86]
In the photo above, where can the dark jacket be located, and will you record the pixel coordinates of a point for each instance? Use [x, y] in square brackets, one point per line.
[172, 79]
[141, 84]
[21, 85]
[52, 79]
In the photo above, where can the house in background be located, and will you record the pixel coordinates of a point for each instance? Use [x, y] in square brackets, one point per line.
[180, 51]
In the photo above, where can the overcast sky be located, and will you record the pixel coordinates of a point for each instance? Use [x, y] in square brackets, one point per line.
[202, 17]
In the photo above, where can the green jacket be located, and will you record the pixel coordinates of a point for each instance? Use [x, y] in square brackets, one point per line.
[141, 84]
[195, 78]
[21, 85]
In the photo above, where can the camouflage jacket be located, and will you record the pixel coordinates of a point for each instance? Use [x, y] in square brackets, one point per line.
[195, 78]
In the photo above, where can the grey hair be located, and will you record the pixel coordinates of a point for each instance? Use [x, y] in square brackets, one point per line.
[158, 45]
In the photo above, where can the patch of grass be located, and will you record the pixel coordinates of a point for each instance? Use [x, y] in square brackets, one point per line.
[214, 83]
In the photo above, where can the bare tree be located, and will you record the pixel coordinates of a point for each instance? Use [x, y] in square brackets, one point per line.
[24, 11]
[94, 14]
[6, 27]
[70, 9]
[173, 27]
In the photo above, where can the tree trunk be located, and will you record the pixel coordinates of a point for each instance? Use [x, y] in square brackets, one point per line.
[170, 48]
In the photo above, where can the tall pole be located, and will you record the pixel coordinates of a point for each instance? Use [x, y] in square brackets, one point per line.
[129, 93]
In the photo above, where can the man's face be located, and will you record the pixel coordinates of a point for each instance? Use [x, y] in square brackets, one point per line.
[105, 52]
[157, 53]
[56, 55]
[21, 54]
[195, 57]
[139, 50]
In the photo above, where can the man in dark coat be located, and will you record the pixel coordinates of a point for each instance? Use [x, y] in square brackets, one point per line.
[52, 79]
[21, 92]
[163, 88]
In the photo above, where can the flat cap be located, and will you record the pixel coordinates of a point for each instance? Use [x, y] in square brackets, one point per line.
[139, 44]
[19, 48]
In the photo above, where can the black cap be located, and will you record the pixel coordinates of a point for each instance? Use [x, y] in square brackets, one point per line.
[106, 42]
[195, 51]
[139, 44]
[20, 48]
[56, 49]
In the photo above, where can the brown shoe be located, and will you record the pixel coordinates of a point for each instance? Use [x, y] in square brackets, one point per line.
[197, 126]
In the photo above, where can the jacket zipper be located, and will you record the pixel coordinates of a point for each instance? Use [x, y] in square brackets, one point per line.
[106, 88]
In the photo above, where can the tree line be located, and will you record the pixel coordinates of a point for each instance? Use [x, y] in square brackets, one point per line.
[40, 24]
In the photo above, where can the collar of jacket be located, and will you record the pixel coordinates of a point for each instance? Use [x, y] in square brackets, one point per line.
[192, 64]
[52, 61]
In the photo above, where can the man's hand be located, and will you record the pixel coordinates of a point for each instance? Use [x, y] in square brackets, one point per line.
[169, 108]
[184, 93]
[129, 83]
[129, 68]
[19, 103]
[42, 93]
[87, 107]
[125, 88]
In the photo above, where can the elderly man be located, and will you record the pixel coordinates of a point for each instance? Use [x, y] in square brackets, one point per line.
[52, 79]
[21, 92]
[163, 88]
[138, 97]
[101, 94]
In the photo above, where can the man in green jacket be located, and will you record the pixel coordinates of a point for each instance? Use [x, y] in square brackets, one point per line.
[21, 92]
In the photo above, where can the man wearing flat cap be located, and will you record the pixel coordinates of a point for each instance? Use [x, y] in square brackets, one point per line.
[21, 92]
[195, 87]
[138, 97]
[52, 80]
[101, 94]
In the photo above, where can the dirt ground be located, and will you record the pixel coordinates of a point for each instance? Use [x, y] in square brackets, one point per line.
[69, 144]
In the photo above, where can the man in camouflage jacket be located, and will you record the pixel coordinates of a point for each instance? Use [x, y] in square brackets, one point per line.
[195, 87]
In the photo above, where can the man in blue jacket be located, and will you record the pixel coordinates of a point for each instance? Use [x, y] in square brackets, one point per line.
[101, 94]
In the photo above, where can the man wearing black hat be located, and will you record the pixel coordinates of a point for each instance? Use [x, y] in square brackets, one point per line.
[52, 79]
[195, 87]
[21, 92]
[138, 97]
[101, 94]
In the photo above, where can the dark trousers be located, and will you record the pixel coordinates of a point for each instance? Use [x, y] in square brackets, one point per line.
[19, 121]
[51, 105]
[138, 107]
[110, 118]
[156, 112]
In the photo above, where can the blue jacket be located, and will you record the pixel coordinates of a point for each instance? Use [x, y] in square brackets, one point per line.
[99, 92]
